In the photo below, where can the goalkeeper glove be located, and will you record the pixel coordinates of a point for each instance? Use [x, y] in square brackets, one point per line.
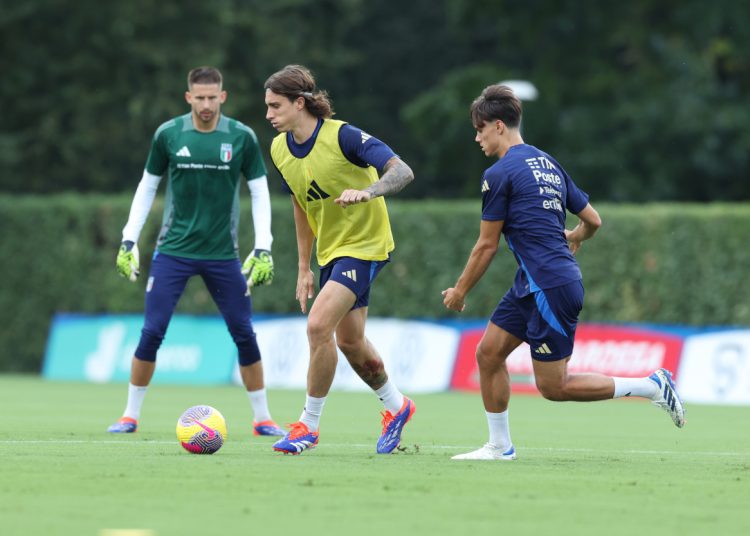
[127, 260]
[258, 268]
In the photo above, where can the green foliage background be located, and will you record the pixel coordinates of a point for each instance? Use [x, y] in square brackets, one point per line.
[641, 101]
[660, 263]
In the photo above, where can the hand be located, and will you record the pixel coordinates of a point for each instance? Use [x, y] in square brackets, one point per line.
[127, 263]
[453, 300]
[305, 289]
[258, 268]
[352, 197]
[573, 244]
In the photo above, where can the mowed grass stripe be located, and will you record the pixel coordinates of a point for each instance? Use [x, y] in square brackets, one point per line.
[324, 446]
[585, 469]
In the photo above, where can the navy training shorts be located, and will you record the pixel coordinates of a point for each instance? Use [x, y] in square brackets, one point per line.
[545, 319]
[355, 274]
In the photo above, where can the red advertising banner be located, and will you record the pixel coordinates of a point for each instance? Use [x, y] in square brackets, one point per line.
[610, 350]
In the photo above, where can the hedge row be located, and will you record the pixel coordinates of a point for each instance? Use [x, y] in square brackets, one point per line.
[676, 263]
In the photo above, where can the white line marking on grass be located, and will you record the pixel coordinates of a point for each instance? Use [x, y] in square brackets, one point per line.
[645, 452]
[372, 446]
[82, 441]
[558, 450]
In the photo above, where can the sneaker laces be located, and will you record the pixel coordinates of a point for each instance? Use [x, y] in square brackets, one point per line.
[387, 419]
[297, 429]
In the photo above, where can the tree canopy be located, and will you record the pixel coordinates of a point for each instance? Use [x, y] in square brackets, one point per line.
[641, 100]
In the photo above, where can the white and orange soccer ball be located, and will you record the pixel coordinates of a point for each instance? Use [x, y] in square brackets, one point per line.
[201, 430]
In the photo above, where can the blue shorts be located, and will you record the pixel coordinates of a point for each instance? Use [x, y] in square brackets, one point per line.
[224, 280]
[545, 319]
[355, 274]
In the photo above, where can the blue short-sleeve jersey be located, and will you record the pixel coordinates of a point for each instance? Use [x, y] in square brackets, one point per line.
[357, 146]
[530, 192]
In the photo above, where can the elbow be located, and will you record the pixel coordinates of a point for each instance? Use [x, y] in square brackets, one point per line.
[408, 173]
[598, 222]
[487, 248]
[592, 220]
[402, 170]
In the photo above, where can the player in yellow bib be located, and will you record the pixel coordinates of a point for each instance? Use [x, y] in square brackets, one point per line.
[364, 233]
[330, 168]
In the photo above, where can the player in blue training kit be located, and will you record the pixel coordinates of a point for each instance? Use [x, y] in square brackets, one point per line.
[525, 195]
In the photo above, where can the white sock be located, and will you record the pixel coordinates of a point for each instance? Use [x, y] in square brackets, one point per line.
[259, 402]
[136, 394]
[311, 414]
[643, 387]
[391, 397]
[499, 430]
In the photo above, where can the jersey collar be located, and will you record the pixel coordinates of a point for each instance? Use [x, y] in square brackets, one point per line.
[301, 150]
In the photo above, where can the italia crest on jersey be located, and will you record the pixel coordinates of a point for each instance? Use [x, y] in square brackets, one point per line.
[226, 152]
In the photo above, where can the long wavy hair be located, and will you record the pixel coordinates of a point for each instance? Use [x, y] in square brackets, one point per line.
[294, 81]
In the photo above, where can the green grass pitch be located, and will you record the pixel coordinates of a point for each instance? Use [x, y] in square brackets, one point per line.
[615, 467]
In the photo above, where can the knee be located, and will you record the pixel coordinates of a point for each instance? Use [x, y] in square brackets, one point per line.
[318, 331]
[149, 344]
[248, 351]
[488, 359]
[241, 332]
[350, 346]
[552, 390]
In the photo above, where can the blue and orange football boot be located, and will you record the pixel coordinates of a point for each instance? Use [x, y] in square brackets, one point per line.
[298, 438]
[267, 428]
[392, 426]
[125, 425]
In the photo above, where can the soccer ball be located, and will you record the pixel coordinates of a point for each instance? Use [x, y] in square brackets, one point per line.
[201, 430]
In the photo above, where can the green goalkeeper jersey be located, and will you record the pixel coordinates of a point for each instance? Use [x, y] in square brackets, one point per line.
[201, 209]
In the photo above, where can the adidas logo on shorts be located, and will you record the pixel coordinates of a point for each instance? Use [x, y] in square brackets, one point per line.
[543, 349]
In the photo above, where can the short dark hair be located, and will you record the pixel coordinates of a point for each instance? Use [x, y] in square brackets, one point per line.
[294, 81]
[496, 102]
[204, 75]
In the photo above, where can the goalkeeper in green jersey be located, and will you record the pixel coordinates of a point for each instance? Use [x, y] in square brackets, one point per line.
[203, 154]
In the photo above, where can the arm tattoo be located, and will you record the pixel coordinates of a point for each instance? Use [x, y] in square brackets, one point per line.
[397, 175]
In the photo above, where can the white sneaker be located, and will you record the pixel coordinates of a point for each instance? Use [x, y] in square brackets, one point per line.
[487, 452]
[667, 397]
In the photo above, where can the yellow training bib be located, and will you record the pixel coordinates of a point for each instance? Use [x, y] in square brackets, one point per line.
[362, 231]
